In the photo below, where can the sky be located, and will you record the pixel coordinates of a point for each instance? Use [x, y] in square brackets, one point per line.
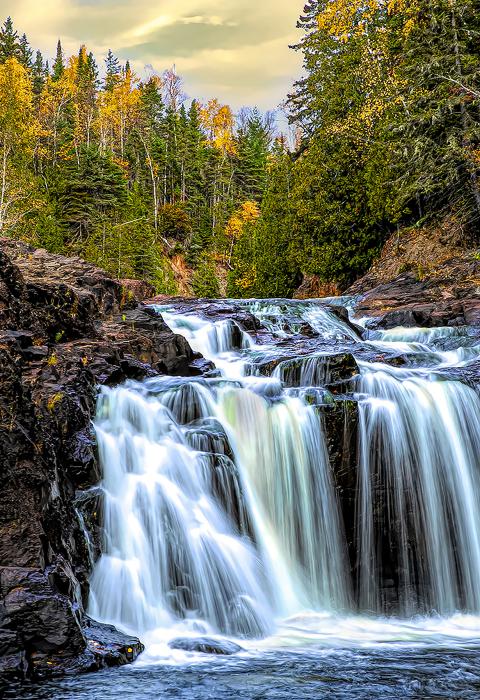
[235, 50]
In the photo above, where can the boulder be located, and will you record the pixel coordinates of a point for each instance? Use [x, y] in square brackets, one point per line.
[205, 645]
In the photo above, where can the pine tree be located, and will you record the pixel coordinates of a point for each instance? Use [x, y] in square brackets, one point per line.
[205, 283]
[342, 186]
[254, 141]
[9, 42]
[59, 63]
[89, 192]
[26, 53]
[39, 74]
[112, 72]
[264, 260]
[86, 80]
[301, 102]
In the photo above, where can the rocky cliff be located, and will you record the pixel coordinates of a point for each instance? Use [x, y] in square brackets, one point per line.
[423, 277]
[65, 328]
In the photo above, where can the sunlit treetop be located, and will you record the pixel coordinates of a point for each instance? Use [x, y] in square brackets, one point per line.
[343, 19]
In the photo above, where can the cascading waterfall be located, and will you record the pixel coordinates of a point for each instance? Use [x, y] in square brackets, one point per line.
[222, 511]
[420, 461]
[176, 544]
[171, 549]
[284, 462]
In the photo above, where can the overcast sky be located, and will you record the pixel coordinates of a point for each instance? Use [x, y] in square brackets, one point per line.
[236, 50]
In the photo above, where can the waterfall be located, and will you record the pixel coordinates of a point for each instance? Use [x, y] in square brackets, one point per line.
[223, 509]
[171, 550]
[219, 503]
[420, 461]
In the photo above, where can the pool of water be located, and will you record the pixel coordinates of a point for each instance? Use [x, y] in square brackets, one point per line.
[368, 673]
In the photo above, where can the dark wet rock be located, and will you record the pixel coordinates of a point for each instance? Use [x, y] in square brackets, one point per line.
[342, 314]
[341, 421]
[205, 645]
[201, 367]
[105, 647]
[115, 647]
[65, 328]
[433, 302]
[211, 310]
[470, 374]
[331, 371]
[227, 489]
[208, 435]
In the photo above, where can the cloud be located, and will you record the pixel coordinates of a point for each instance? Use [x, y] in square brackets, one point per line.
[236, 50]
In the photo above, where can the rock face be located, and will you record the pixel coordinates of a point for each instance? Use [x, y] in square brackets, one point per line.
[65, 327]
[408, 301]
[313, 288]
[422, 278]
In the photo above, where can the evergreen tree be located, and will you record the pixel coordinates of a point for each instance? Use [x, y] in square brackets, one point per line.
[264, 261]
[302, 101]
[58, 67]
[436, 139]
[254, 141]
[205, 283]
[25, 52]
[9, 42]
[112, 72]
[88, 193]
[39, 74]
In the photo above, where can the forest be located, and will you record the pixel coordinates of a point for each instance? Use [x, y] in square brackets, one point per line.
[130, 174]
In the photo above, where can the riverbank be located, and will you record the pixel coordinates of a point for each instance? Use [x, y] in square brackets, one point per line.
[65, 328]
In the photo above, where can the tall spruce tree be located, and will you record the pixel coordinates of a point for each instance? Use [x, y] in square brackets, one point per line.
[9, 42]
[59, 63]
[39, 74]
[112, 71]
[264, 261]
[25, 52]
[88, 193]
[254, 141]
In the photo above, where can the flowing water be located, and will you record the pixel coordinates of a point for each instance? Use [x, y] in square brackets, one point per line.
[227, 514]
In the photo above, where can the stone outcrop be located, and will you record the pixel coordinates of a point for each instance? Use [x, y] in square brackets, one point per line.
[422, 278]
[312, 287]
[65, 328]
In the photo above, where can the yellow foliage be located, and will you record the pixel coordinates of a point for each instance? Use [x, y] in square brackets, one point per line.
[53, 401]
[18, 126]
[54, 99]
[343, 19]
[247, 213]
[19, 135]
[218, 121]
[119, 110]
[347, 20]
